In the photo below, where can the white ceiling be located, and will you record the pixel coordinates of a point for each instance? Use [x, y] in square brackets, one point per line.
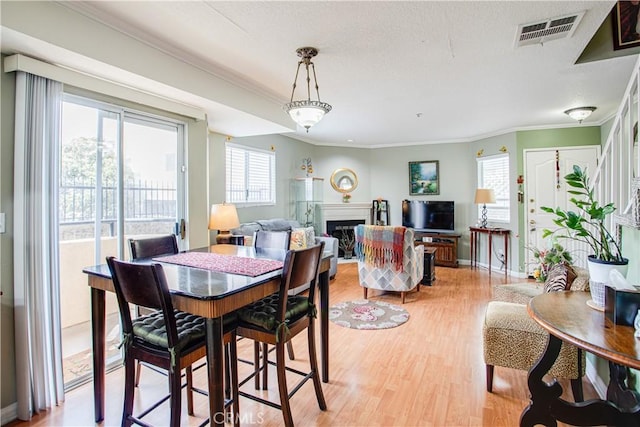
[396, 73]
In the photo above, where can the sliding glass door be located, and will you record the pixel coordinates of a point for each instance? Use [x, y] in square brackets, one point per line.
[121, 177]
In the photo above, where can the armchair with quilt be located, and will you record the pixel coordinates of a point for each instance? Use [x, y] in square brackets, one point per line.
[388, 259]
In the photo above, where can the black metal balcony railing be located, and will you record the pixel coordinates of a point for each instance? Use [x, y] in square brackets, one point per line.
[144, 202]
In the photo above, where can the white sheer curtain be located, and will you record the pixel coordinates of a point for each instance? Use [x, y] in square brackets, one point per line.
[36, 275]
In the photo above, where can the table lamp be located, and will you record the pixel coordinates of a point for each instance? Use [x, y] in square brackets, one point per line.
[223, 217]
[484, 196]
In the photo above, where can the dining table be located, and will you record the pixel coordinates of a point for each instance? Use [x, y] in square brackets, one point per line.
[569, 319]
[210, 294]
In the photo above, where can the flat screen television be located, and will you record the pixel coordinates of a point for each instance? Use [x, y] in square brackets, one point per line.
[433, 216]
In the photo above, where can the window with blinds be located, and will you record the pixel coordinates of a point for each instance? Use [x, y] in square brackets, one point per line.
[250, 175]
[493, 172]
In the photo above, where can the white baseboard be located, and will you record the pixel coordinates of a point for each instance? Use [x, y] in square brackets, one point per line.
[598, 383]
[494, 269]
[9, 413]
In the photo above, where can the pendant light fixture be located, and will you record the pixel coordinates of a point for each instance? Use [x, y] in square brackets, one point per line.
[307, 112]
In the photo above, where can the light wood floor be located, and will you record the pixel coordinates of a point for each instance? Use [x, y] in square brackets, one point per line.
[427, 372]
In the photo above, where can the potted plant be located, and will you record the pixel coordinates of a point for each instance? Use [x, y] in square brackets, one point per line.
[547, 258]
[588, 225]
[347, 242]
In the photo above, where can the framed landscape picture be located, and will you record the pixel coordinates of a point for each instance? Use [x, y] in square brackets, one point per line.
[625, 23]
[424, 178]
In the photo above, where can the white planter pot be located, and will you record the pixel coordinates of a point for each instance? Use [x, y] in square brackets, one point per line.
[599, 276]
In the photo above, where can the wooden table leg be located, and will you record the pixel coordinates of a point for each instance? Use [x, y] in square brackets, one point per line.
[324, 323]
[98, 339]
[542, 393]
[473, 254]
[506, 253]
[215, 370]
[546, 406]
[490, 243]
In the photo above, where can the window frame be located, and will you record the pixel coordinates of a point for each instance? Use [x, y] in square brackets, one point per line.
[269, 156]
[503, 198]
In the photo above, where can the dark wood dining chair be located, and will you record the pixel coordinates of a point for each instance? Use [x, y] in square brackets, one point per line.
[269, 240]
[272, 239]
[278, 318]
[167, 338]
[150, 247]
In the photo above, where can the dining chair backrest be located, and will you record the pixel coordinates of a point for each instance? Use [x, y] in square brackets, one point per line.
[272, 239]
[300, 268]
[153, 246]
[143, 285]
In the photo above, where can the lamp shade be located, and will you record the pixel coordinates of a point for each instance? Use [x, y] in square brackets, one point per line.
[307, 113]
[223, 217]
[485, 195]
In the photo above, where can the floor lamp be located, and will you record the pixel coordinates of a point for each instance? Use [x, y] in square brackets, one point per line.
[484, 196]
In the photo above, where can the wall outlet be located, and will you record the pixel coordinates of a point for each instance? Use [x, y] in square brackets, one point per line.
[2, 222]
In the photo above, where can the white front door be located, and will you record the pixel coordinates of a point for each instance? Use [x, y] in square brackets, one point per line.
[545, 186]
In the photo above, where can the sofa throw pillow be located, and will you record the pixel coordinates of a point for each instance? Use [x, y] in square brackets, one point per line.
[310, 236]
[302, 238]
[559, 278]
[298, 239]
[581, 282]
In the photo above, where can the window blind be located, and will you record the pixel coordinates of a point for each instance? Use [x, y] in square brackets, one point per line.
[493, 172]
[250, 175]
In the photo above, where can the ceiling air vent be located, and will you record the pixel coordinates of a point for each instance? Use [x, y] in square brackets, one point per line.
[547, 30]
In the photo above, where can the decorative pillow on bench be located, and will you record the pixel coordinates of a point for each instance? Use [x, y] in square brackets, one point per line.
[559, 278]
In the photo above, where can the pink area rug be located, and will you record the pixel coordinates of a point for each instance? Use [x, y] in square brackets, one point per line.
[365, 314]
[223, 263]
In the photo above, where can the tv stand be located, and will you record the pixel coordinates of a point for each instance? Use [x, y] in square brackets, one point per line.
[446, 245]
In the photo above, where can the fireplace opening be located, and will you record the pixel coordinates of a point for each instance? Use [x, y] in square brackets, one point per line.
[343, 231]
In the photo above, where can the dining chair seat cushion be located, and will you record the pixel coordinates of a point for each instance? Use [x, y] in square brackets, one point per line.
[191, 328]
[263, 313]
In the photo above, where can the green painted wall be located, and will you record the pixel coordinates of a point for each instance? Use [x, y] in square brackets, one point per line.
[549, 138]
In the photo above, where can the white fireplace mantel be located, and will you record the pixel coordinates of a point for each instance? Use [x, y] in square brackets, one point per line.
[345, 211]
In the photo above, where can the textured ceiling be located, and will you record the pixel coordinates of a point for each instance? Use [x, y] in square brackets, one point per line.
[394, 72]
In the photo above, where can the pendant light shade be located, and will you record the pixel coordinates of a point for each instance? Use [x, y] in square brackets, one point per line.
[307, 112]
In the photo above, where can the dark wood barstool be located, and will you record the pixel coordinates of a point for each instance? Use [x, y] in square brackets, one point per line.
[167, 338]
[276, 319]
[150, 247]
[269, 240]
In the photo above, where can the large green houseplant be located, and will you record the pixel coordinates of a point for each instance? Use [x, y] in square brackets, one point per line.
[588, 225]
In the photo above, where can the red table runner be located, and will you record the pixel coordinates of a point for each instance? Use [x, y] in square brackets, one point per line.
[223, 263]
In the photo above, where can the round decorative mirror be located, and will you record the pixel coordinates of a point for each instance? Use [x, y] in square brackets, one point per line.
[344, 180]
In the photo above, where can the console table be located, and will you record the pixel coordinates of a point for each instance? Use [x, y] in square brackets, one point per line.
[490, 231]
[567, 318]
